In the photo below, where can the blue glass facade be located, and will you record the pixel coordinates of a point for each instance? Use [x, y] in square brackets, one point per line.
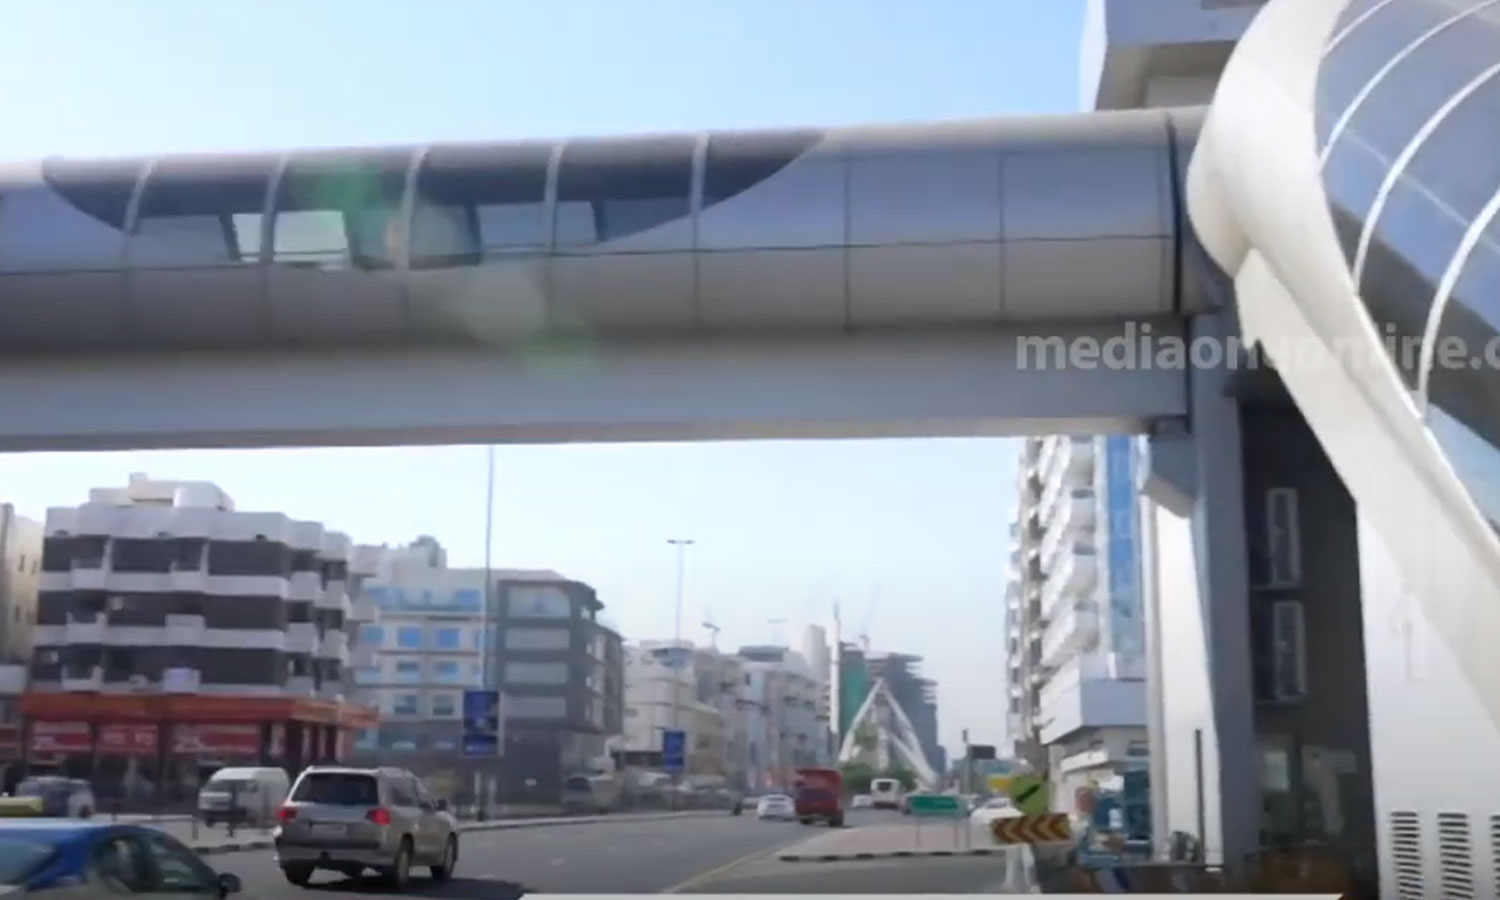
[1126, 627]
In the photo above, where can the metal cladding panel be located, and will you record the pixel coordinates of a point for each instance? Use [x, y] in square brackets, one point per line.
[967, 223]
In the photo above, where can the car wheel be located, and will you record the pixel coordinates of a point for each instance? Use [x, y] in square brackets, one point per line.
[298, 876]
[444, 870]
[399, 873]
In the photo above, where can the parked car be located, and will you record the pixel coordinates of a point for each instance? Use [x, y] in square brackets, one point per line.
[992, 809]
[71, 860]
[350, 820]
[248, 795]
[861, 801]
[57, 797]
[775, 806]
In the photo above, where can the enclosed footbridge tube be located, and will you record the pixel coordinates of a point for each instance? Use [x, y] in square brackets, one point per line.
[963, 224]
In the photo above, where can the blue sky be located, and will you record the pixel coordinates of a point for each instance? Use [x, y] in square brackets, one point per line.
[908, 535]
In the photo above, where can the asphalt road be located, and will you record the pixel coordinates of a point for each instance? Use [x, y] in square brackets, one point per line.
[687, 854]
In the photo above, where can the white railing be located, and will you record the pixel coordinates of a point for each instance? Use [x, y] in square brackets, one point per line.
[88, 680]
[85, 629]
[181, 680]
[302, 637]
[305, 587]
[185, 630]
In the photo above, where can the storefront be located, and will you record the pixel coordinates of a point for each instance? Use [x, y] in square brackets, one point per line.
[143, 750]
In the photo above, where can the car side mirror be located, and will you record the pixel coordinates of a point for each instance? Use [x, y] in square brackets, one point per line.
[440, 805]
[426, 806]
[229, 883]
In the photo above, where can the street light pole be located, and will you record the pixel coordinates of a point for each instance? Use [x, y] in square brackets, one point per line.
[486, 652]
[681, 544]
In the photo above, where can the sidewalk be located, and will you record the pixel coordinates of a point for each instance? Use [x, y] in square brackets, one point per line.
[217, 839]
[936, 838]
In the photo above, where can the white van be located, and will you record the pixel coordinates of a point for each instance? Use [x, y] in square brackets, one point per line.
[249, 795]
[885, 793]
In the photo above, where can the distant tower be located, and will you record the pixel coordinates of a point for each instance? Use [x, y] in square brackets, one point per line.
[815, 651]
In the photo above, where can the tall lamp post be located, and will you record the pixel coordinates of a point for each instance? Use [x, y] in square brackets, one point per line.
[681, 545]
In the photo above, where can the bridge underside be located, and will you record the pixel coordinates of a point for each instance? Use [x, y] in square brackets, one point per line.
[874, 385]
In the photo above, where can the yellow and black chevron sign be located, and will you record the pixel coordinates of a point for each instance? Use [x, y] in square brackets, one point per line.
[1044, 829]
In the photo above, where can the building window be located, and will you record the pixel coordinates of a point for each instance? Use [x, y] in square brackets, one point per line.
[367, 675]
[539, 602]
[532, 707]
[538, 639]
[612, 188]
[409, 637]
[371, 636]
[447, 671]
[404, 705]
[536, 673]
[469, 200]
[408, 671]
[446, 639]
[444, 706]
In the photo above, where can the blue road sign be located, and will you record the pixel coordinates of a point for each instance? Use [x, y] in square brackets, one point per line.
[483, 720]
[673, 750]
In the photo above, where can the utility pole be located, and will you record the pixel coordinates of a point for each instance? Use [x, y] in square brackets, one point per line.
[681, 544]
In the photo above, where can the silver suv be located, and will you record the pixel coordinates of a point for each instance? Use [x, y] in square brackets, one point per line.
[349, 820]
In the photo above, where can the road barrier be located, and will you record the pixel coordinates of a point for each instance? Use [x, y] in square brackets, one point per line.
[1047, 828]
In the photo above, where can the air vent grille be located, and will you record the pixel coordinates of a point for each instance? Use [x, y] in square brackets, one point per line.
[1456, 874]
[1406, 855]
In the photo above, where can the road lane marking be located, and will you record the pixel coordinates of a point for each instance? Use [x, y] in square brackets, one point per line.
[717, 871]
[558, 862]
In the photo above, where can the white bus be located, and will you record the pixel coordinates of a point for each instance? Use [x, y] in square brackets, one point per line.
[885, 793]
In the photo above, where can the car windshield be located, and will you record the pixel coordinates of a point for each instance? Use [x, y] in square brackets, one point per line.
[228, 785]
[20, 857]
[337, 789]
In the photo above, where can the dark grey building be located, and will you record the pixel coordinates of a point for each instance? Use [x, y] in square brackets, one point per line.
[562, 672]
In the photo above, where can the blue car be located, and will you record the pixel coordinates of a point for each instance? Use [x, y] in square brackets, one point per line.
[72, 859]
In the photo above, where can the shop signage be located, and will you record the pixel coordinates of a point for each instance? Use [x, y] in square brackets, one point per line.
[128, 740]
[60, 737]
[216, 739]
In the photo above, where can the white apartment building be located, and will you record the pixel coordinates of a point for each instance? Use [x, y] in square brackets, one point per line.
[675, 685]
[421, 647]
[173, 627]
[783, 722]
[20, 578]
[1076, 640]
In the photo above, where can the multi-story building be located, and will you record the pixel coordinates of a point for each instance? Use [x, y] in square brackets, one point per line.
[784, 732]
[1078, 642]
[542, 644]
[561, 668]
[709, 705]
[422, 648]
[20, 576]
[819, 660]
[175, 634]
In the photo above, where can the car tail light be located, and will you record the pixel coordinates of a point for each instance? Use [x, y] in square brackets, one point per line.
[379, 815]
[286, 814]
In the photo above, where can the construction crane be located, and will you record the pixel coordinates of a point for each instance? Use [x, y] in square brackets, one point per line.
[712, 629]
[864, 625]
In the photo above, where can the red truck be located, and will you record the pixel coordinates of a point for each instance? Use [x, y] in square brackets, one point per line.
[819, 796]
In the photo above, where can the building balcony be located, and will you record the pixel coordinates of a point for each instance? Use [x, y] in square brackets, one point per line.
[83, 679]
[13, 679]
[331, 690]
[84, 577]
[300, 686]
[85, 629]
[335, 645]
[188, 581]
[185, 630]
[1072, 520]
[181, 680]
[305, 587]
[1075, 572]
[1071, 630]
[302, 637]
[335, 596]
[1102, 703]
